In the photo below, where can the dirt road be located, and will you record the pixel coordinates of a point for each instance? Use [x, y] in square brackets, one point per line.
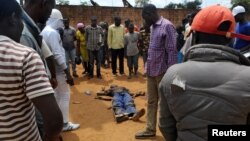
[97, 122]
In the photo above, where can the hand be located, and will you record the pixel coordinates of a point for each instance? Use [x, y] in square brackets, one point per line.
[53, 83]
[70, 80]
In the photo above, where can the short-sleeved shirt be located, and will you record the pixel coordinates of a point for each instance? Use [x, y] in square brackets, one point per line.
[131, 40]
[22, 78]
[69, 38]
[242, 29]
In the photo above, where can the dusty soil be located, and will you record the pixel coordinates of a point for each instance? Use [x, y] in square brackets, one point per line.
[97, 122]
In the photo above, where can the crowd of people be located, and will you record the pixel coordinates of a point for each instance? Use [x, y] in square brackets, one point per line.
[209, 86]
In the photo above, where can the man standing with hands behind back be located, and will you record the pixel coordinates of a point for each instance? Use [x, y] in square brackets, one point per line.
[116, 33]
[162, 54]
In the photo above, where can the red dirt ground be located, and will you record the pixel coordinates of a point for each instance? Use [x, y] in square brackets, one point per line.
[97, 122]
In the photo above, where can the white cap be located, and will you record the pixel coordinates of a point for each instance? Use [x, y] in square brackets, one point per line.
[56, 14]
[238, 9]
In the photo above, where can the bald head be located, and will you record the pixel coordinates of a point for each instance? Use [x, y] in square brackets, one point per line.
[149, 14]
[149, 8]
[39, 10]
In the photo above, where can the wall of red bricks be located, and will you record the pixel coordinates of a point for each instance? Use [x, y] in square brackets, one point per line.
[83, 14]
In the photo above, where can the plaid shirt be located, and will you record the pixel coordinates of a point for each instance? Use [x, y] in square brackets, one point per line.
[93, 36]
[162, 52]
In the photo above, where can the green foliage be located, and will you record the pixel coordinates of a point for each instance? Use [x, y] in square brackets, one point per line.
[186, 5]
[85, 3]
[245, 3]
[62, 2]
[141, 3]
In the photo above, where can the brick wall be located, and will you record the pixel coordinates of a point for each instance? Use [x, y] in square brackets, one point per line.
[83, 14]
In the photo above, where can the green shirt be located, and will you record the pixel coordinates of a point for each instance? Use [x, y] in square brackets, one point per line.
[116, 36]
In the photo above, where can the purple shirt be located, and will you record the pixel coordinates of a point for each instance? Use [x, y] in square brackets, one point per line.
[162, 52]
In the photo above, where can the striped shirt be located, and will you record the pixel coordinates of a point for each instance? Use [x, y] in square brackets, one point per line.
[22, 78]
[162, 52]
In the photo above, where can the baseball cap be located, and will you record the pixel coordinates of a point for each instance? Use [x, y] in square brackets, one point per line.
[238, 9]
[210, 18]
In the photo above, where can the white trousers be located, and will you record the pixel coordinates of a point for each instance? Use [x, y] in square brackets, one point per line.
[62, 95]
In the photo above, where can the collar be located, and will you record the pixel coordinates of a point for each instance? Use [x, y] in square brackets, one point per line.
[215, 53]
[159, 21]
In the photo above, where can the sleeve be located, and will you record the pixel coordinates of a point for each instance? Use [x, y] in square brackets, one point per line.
[109, 37]
[54, 41]
[45, 50]
[167, 123]
[35, 77]
[170, 45]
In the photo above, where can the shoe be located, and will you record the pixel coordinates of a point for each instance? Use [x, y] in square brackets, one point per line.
[122, 73]
[145, 134]
[99, 76]
[121, 118]
[70, 126]
[75, 74]
[139, 114]
[114, 74]
[90, 76]
[129, 77]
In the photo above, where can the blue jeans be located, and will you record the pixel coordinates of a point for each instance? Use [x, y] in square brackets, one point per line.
[123, 103]
[94, 55]
[133, 61]
[180, 57]
[70, 56]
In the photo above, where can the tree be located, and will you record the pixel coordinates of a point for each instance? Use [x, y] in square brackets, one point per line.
[245, 3]
[188, 5]
[141, 3]
[172, 5]
[193, 4]
[62, 2]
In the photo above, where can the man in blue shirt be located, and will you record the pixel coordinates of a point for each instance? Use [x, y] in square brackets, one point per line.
[242, 27]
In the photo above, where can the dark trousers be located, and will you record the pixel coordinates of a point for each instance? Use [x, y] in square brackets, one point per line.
[120, 54]
[94, 55]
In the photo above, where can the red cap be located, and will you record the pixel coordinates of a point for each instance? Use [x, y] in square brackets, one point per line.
[210, 18]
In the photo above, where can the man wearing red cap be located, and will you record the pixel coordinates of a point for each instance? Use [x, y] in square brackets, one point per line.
[211, 86]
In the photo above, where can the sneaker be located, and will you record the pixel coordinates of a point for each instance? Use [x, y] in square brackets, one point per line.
[70, 126]
[145, 134]
[114, 74]
[139, 114]
[121, 118]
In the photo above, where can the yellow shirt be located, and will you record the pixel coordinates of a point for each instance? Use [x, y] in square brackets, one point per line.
[116, 36]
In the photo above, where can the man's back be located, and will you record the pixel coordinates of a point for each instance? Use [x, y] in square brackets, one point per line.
[21, 81]
[201, 93]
